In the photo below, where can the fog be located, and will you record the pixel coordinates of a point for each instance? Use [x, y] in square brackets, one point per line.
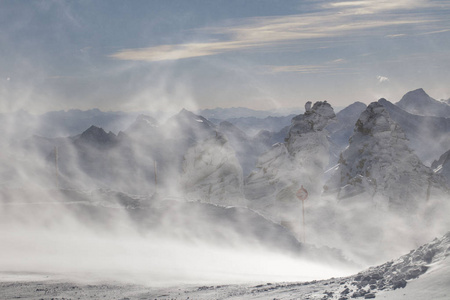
[44, 233]
[165, 202]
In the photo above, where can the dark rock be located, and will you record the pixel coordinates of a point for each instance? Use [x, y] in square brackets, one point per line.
[399, 284]
[428, 257]
[358, 277]
[376, 276]
[414, 273]
[345, 292]
[369, 296]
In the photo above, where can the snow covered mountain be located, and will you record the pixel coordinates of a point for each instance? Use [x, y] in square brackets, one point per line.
[428, 135]
[212, 173]
[380, 164]
[418, 102]
[287, 166]
[63, 123]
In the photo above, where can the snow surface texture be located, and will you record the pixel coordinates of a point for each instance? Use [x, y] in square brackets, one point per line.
[301, 160]
[379, 164]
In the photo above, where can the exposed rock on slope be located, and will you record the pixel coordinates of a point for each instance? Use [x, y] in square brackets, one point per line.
[397, 273]
[442, 166]
[379, 163]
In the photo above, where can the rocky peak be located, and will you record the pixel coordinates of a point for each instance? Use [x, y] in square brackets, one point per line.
[379, 162]
[98, 136]
[307, 132]
[375, 120]
[143, 124]
[185, 119]
[315, 118]
[418, 102]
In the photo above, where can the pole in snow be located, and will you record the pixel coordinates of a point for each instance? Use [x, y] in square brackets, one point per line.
[302, 194]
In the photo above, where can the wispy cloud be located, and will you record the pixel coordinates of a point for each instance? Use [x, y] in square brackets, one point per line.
[382, 79]
[435, 32]
[338, 61]
[330, 67]
[395, 35]
[373, 7]
[336, 20]
[304, 69]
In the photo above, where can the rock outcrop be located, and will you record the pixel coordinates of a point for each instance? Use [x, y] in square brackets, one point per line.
[442, 166]
[379, 165]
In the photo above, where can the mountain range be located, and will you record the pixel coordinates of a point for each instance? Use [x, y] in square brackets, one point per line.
[367, 164]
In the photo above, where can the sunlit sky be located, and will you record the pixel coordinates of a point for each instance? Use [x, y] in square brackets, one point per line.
[261, 54]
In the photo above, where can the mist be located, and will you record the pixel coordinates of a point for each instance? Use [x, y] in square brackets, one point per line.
[43, 232]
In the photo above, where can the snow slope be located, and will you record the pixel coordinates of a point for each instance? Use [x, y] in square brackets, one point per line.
[424, 273]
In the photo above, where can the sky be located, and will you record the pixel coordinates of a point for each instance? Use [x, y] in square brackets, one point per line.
[260, 54]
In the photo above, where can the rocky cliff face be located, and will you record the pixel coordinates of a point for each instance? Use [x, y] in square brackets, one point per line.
[442, 166]
[379, 165]
[301, 160]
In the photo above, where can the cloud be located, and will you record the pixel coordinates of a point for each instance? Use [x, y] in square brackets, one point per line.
[372, 7]
[382, 79]
[336, 66]
[434, 32]
[304, 69]
[338, 61]
[395, 35]
[339, 20]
